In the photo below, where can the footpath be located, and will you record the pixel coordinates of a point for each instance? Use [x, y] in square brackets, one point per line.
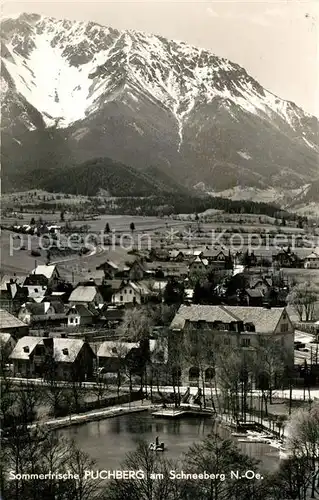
[91, 416]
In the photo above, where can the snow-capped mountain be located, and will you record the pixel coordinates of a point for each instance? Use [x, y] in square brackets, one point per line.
[89, 91]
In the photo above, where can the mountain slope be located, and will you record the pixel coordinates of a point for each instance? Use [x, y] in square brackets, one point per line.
[90, 177]
[144, 100]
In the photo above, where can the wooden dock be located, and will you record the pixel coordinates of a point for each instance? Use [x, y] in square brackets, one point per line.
[182, 412]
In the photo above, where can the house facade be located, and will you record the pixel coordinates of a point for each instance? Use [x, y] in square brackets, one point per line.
[79, 315]
[131, 292]
[234, 327]
[312, 261]
[63, 359]
[49, 273]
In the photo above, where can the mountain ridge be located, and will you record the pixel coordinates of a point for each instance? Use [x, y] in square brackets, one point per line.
[144, 100]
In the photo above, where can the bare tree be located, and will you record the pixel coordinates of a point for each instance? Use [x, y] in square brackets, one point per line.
[220, 456]
[303, 440]
[270, 361]
[147, 487]
[233, 367]
[303, 298]
[136, 325]
[83, 488]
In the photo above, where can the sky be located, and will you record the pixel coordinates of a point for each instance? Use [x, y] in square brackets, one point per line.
[277, 42]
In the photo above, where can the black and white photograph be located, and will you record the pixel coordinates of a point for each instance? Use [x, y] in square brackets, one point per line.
[159, 266]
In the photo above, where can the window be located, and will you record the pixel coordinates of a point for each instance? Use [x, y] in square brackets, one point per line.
[245, 342]
[125, 290]
[121, 298]
[71, 320]
[284, 328]
[130, 291]
[250, 327]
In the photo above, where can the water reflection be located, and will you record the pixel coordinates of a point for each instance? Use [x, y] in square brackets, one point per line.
[108, 441]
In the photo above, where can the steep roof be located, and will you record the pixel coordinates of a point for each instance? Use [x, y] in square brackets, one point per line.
[18, 350]
[7, 320]
[213, 252]
[313, 255]
[265, 320]
[66, 350]
[81, 310]
[7, 279]
[44, 270]
[83, 293]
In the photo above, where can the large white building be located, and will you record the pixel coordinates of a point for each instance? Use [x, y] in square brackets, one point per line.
[312, 261]
[233, 327]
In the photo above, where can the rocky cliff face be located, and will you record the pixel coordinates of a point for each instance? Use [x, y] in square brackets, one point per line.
[76, 91]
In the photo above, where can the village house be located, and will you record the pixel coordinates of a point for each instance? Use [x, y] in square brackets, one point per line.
[64, 359]
[31, 356]
[139, 270]
[73, 359]
[88, 294]
[47, 274]
[198, 265]
[185, 255]
[80, 315]
[114, 270]
[262, 284]
[111, 355]
[312, 261]
[132, 292]
[232, 326]
[11, 324]
[12, 293]
[286, 258]
[214, 255]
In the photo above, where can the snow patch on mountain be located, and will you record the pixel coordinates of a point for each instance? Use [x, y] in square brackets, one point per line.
[71, 68]
[105, 82]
